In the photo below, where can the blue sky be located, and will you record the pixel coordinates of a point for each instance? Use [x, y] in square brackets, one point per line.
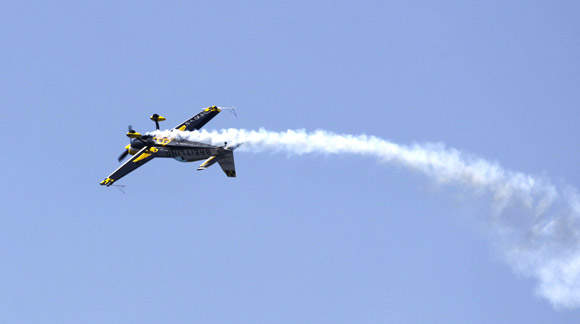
[293, 239]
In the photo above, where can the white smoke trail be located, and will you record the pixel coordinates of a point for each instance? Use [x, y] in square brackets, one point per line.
[543, 241]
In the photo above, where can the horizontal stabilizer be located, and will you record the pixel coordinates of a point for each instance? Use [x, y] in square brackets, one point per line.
[207, 163]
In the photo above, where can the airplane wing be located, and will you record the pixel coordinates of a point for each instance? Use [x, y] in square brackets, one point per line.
[144, 155]
[197, 121]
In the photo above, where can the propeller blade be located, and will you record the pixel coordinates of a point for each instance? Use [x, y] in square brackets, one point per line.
[123, 155]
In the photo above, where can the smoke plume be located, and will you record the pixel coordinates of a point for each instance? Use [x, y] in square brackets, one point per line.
[537, 223]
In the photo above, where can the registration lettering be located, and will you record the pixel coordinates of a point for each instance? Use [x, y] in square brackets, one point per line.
[189, 152]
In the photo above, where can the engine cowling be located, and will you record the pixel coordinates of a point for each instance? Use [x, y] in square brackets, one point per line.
[132, 150]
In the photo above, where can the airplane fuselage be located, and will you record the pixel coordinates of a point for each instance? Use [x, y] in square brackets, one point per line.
[180, 150]
[188, 154]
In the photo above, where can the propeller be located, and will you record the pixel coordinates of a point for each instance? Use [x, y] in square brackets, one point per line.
[123, 155]
[126, 151]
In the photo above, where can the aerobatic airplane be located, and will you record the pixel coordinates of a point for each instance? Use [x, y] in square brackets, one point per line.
[145, 148]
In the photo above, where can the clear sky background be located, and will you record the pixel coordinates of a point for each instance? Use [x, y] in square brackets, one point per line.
[293, 239]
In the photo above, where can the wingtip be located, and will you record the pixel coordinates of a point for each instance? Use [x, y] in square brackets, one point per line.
[107, 182]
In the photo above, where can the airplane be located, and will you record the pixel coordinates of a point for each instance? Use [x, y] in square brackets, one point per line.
[145, 148]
